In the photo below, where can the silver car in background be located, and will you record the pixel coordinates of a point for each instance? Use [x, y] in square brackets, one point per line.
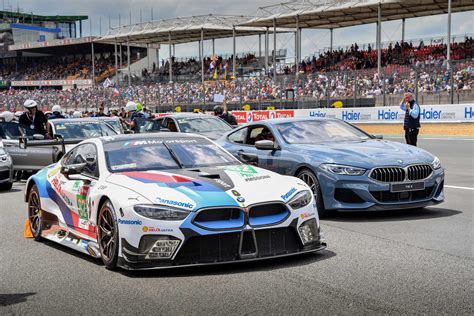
[6, 169]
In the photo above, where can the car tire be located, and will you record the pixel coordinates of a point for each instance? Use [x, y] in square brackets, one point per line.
[311, 180]
[35, 213]
[107, 235]
[6, 186]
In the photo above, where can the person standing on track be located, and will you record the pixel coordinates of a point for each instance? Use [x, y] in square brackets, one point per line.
[411, 124]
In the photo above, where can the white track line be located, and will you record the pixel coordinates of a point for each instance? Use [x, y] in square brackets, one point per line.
[456, 187]
[431, 138]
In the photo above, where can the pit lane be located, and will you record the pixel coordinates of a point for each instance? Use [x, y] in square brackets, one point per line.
[385, 262]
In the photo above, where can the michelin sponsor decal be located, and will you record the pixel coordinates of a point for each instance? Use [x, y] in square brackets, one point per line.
[388, 114]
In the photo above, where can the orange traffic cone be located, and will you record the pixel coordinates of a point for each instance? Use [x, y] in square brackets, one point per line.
[27, 231]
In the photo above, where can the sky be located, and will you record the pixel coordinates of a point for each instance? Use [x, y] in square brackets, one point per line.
[312, 40]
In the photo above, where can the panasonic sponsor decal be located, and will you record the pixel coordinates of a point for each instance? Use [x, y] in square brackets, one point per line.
[175, 203]
[129, 221]
[287, 195]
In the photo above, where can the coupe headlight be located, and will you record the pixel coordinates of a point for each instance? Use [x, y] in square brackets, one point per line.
[161, 213]
[436, 164]
[343, 170]
[4, 158]
[301, 199]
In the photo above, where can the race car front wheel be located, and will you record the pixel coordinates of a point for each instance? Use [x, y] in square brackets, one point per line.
[312, 181]
[107, 235]
[34, 213]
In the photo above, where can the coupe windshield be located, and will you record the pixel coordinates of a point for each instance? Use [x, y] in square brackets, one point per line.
[82, 129]
[318, 131]
[159, 154]
[202, 125]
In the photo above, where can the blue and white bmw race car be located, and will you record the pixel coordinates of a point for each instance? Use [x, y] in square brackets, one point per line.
[166, 200]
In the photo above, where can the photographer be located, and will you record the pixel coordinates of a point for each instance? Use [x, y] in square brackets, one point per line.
[411, 124]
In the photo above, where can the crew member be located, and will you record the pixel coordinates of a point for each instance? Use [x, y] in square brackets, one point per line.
[411, 124]
[225, 115]
[34, 118]
[134, 115]
[57, 113]
[101, 112]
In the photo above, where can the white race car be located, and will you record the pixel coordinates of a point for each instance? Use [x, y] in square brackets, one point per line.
[167, 200]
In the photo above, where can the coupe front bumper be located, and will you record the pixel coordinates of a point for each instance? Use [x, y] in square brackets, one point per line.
[360, 193]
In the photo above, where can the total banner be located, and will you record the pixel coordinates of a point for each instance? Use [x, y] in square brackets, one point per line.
[389, 114]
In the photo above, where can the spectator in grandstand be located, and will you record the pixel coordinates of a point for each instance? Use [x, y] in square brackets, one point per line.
[57, 113]
[34, 118]
[411, 124]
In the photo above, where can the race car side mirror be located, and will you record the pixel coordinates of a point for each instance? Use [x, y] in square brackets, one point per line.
[75, 169]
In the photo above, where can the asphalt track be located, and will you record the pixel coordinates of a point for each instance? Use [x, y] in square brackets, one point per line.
[386, 262]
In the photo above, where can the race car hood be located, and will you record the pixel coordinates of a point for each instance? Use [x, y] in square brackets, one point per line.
[192, 189]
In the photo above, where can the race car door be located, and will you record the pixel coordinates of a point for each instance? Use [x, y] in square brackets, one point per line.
[78, 190]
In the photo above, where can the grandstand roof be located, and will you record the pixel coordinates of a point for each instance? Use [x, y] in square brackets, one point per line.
[183, 29]
[30, 17]
[328, 14]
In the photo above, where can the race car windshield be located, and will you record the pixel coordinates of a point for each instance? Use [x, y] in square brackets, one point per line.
[159, 154]
[83, 130]
[202, 125]
[319, 131]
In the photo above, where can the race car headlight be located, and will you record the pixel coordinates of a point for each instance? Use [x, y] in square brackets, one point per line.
[343, 170]
[161, 213]
[300, 200]
[436, 164]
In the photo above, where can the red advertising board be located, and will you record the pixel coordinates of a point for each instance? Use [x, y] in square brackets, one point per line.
[241, 116]
[260, 115]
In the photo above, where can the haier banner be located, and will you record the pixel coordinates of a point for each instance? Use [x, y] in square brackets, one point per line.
[388, 114]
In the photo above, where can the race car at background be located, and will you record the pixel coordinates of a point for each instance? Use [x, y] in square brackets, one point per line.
[164, 200]
[207, 125]
[6, 169]
[346, 168]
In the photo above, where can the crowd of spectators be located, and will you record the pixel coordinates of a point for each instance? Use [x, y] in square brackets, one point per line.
[403, 53]
[364, 83]
[48, 68]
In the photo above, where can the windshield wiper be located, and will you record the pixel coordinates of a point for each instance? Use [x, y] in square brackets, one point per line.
[173, 154]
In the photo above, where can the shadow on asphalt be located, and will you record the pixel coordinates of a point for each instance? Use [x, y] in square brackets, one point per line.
[11, 191]
[234, 268]
[72, 252]
[393, 215]
[12, 299]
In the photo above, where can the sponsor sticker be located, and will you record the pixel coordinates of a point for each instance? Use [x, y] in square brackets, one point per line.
[151, 229]
[82, 207]
[243, 170]
[129, 221]
[54, 172]
[175, 203]
[307, 215]
[288, 194]
[76, 186]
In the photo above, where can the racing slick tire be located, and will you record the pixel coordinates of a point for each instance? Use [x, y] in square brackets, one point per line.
[35, 213]
[6, 186]
[107, 235]
[311, 180]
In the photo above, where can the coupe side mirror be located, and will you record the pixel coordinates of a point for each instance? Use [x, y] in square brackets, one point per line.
[23, 143]
[38, 137]
[265, 145]
[378, 136]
